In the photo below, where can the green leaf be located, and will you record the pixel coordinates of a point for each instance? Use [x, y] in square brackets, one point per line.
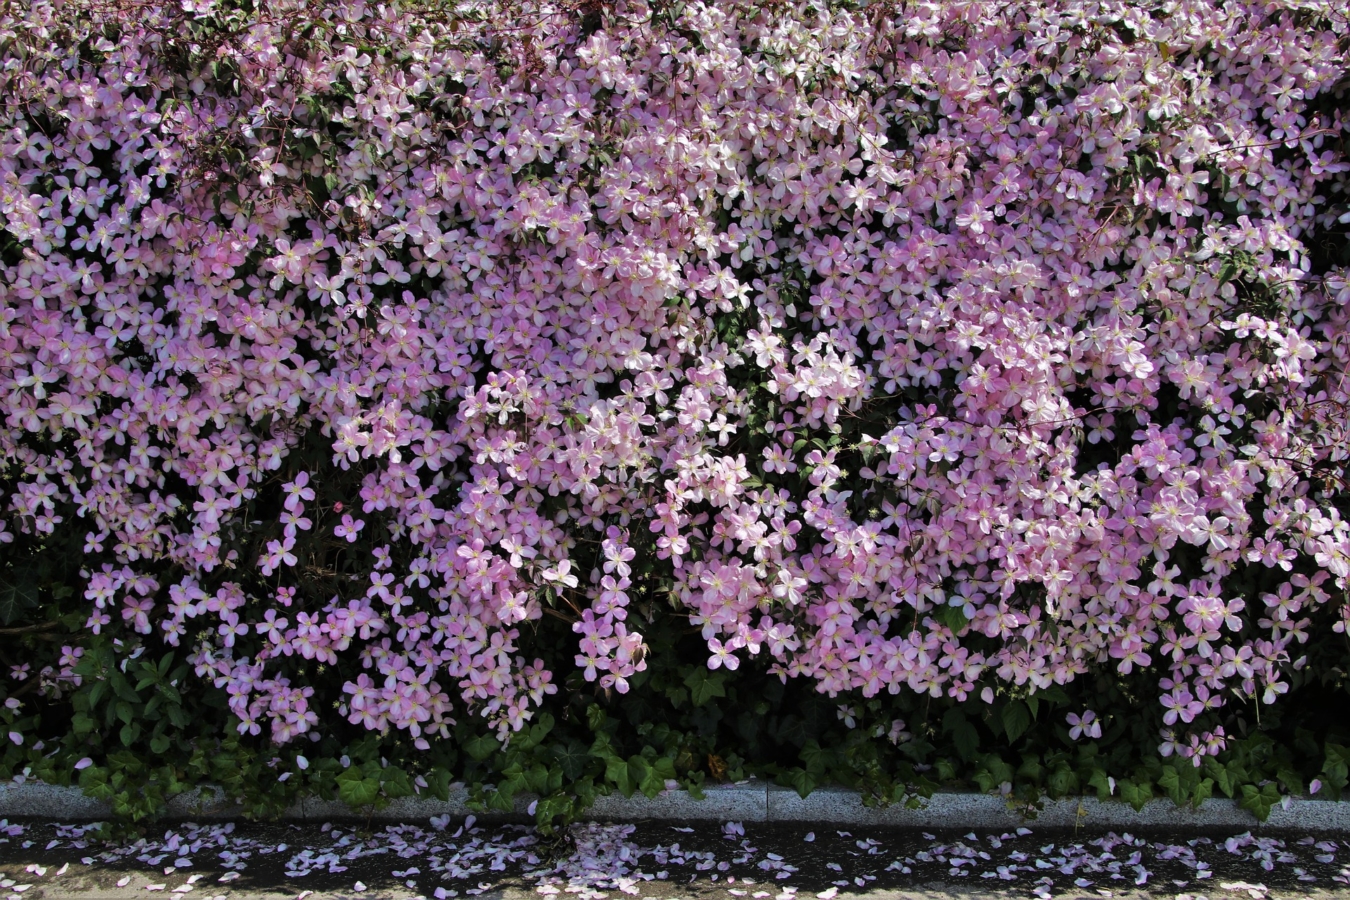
[1063, 781]
[94, 783]
[1223, 778]
[122, 687]
[645, 777]
[598, 719]
[555, 805]
[96, 692]
[396, 783]
[993, 772]
[802, 781]
[790, 730]
[1170, 781]
[18, 592]
[1260, 800]
[1016, 720]
[540, 729]
[704, 685]
[954, 617]
[1136, 794]
[620, 774]
[1102, 782]
[355, 790]
[1335, 772]
[482, 746]
[817, 759]
[964, 736]
[1292, 781]
[572, 758]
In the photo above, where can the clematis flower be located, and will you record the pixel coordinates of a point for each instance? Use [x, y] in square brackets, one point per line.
[1085, 725]
[349, 528]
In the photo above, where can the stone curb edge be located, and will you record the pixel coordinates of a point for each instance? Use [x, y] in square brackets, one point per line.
[749, 802]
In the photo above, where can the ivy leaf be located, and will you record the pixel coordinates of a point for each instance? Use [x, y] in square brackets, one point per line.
[1062, 781]
[802, 781]
[481, 747]
[620, 774]
[986, 780]
[1238, 773]
[964, 736]
[18, 592]
[1054, 695]
[704, 685]
[1222, 777]
[817, 759]
[598, 719]
[396, 783]
[1016, 720]
[1203, 791]
[356, 790]
[1292, 781]
[1335, 772]
[438, 783]
[1102, 782]
[572, 759]
[790, 730]
[1135, 794]
[645, 777]
[1259, 800]
[555, 805]
[537, 779]
[665, 768]
[94, 783]
[1170, 781]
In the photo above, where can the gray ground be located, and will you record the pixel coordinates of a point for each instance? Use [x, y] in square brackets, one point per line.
[657, 861]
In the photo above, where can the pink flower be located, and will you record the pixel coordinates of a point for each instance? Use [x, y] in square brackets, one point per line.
[297, 492]
[1087, 724]
[349, 528]
[721, 656]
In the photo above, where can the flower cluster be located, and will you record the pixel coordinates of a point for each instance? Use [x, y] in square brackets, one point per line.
[941, 349]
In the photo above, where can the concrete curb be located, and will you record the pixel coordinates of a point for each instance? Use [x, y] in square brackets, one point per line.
[753, 801]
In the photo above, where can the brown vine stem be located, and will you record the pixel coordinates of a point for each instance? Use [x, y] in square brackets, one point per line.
[553, 612]
[30, 629]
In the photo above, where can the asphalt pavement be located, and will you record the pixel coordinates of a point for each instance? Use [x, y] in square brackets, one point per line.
[458, 857]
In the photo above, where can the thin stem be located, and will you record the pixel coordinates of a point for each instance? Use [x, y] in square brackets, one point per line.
[30, 629]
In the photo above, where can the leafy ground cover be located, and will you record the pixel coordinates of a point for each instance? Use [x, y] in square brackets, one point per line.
[610, 395]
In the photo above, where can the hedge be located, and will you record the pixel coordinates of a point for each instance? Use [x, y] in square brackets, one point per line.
[608, 395]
